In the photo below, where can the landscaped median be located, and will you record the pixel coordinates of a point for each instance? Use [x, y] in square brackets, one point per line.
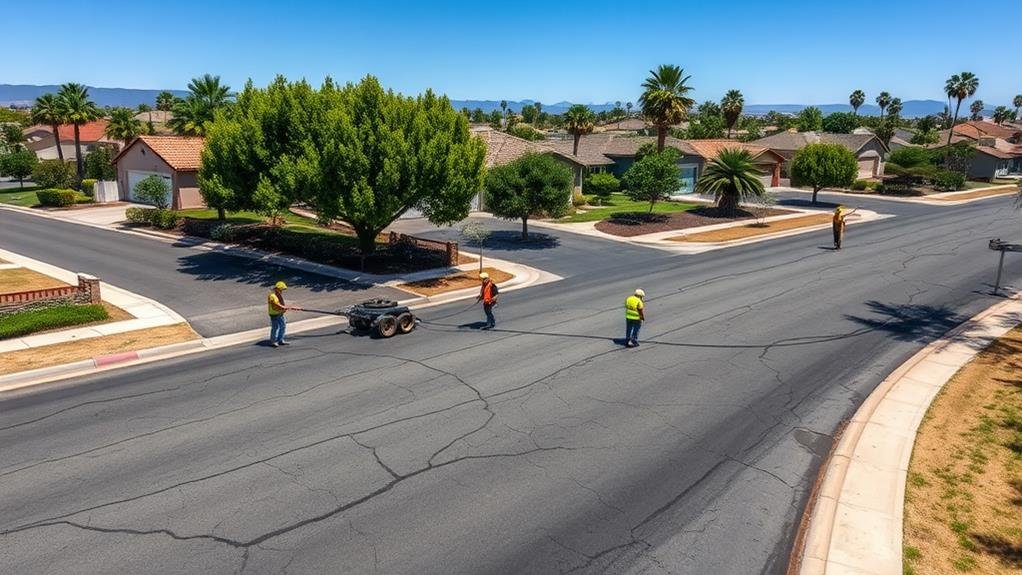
[454, 281]
[753, 230]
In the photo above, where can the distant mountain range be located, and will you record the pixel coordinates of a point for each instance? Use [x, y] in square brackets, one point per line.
[23, 96]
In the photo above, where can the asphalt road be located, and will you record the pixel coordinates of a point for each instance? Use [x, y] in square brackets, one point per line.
[543, 446]
[215, 292]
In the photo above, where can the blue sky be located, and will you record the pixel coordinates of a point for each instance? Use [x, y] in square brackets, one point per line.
[583, 51]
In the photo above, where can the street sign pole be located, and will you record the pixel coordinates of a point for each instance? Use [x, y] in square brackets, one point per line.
[1000, 267]
[998, 245]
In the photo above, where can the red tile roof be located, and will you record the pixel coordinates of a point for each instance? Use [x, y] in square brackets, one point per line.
[979, 129]
[182, 153]
[91, 132]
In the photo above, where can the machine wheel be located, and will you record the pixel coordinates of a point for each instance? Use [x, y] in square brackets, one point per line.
[386, 326]
[361, 324]
[405, 322]
[378, 304]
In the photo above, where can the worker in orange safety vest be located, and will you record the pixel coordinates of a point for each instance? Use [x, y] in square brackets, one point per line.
[488, 295]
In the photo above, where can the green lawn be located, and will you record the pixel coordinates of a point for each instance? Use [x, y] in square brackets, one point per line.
[25, 198]
[293, 223]
[27, 322]
[621, 203]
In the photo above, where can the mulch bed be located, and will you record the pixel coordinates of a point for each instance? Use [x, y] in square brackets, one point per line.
[708, 216]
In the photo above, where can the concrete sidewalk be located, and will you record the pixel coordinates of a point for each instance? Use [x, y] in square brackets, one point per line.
[147, 313]
[941, 199]
[855, 526]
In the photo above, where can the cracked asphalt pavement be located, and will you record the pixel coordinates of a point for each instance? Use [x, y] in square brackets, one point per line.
[540, 447]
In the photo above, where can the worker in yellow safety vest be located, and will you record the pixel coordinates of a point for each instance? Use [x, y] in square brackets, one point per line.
[277, 309]
[635, 314]
[838, 223]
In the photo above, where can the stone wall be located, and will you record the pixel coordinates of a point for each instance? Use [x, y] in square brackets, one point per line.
[86, 292]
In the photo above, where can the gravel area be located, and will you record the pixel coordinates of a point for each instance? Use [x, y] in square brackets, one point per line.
[681, 220]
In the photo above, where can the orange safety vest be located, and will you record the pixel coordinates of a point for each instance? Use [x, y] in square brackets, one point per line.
[487, 293]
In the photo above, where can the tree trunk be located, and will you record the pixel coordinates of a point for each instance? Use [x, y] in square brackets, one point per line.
[727, 205]
[815, 191]
[221, 214]
[366, 241]
[652, 202]
[951, 132]
[56, 138]
[729, 132]
[78, 153]
[574, 149]
[661, 137]
[525, 229]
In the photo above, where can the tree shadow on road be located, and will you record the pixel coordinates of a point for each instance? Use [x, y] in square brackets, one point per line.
[800, 203]
[508, 240]
[909, 322]
[209, 266]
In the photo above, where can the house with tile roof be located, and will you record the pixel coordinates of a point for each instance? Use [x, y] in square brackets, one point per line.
[39, 139]
[176, 159]
[998, 149]
[868, 149]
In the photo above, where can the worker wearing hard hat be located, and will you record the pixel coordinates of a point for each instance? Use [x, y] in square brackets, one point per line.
[635, 314]
[838, 223]
[488, 295]
[277, 308]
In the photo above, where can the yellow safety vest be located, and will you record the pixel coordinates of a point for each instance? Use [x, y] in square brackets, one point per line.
[633, 304]
[273, 299]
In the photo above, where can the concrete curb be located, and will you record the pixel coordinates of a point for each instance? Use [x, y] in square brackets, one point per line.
[1009, 189]
[856, 521]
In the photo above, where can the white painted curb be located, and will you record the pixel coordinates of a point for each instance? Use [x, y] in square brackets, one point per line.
[856, 522]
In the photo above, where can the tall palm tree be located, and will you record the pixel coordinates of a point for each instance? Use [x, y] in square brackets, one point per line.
[165, 101]
[1017, 102]
[47, 112]
[732, 178]
[628, 108]
[123, 125]
[856, 99]
[977, 110]
[731, 106]
[664, 99]
[77, 109]
[209, 90]
[959, 87]
[883, 100]
[1002, 114]
[894, 108]
[190, 117]
[579, 121]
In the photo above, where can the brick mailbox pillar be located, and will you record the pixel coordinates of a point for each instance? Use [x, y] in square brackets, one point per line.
[88, 289]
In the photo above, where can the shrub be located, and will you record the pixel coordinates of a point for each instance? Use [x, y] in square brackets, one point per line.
[53, 174]
[897, 189]
[136, 215]
[579, 200]
[99, 166]
[601, 184]
[222, 233]
[31, 321]
[526, 132]
[87, 186]
[948, 180]
[163, 219]
[153, 190]
[859, 185]
[910, 157]
[57, 198]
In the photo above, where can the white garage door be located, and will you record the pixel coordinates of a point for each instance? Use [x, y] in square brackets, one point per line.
[866, 168]
[136, 177]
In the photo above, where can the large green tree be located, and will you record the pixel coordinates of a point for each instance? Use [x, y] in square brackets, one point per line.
[47, 111]
[165, 101]
[823, 165]
[731, 106]
[532, 184]
[732, 178]
[123, 125]
[653, 177]
[840, 122]
[810, 119]
[664, 100]
[959, 87]
[578, 121]
[856, 99]
[358, 153]
[18, 164]
[76, 108]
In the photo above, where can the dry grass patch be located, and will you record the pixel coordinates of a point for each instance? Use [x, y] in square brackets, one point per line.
[23, 360]
[24, 279]
[963, 500]
[753, 230]
[976, 194]
[454, 282]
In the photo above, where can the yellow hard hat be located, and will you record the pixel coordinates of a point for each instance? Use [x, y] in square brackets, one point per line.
[640, 293]
[280, 285]
[484, 276]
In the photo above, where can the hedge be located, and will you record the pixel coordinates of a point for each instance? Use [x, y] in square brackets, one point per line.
[64, 315]
[87, 186]
[155, 217]
[949, 181]
[57, 198]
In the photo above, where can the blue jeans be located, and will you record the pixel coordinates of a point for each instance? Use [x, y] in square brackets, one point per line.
[278, 325]
[490, 320]
[632, 330]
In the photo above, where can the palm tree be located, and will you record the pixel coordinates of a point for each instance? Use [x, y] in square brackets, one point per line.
[1017, 102]
[190, 117]
[628, 108]
[894, 108]
[977, 110]
[959, 87]
[209, 90]
[732, 178]
[123, 125]
[503, 109]
[165, 101]
[883, 100]
[579, 121]
[1002, 114]
[143, 108]
[664, 99]
[77, 109]
[47, 112]
[731, 106]
[856, 99]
